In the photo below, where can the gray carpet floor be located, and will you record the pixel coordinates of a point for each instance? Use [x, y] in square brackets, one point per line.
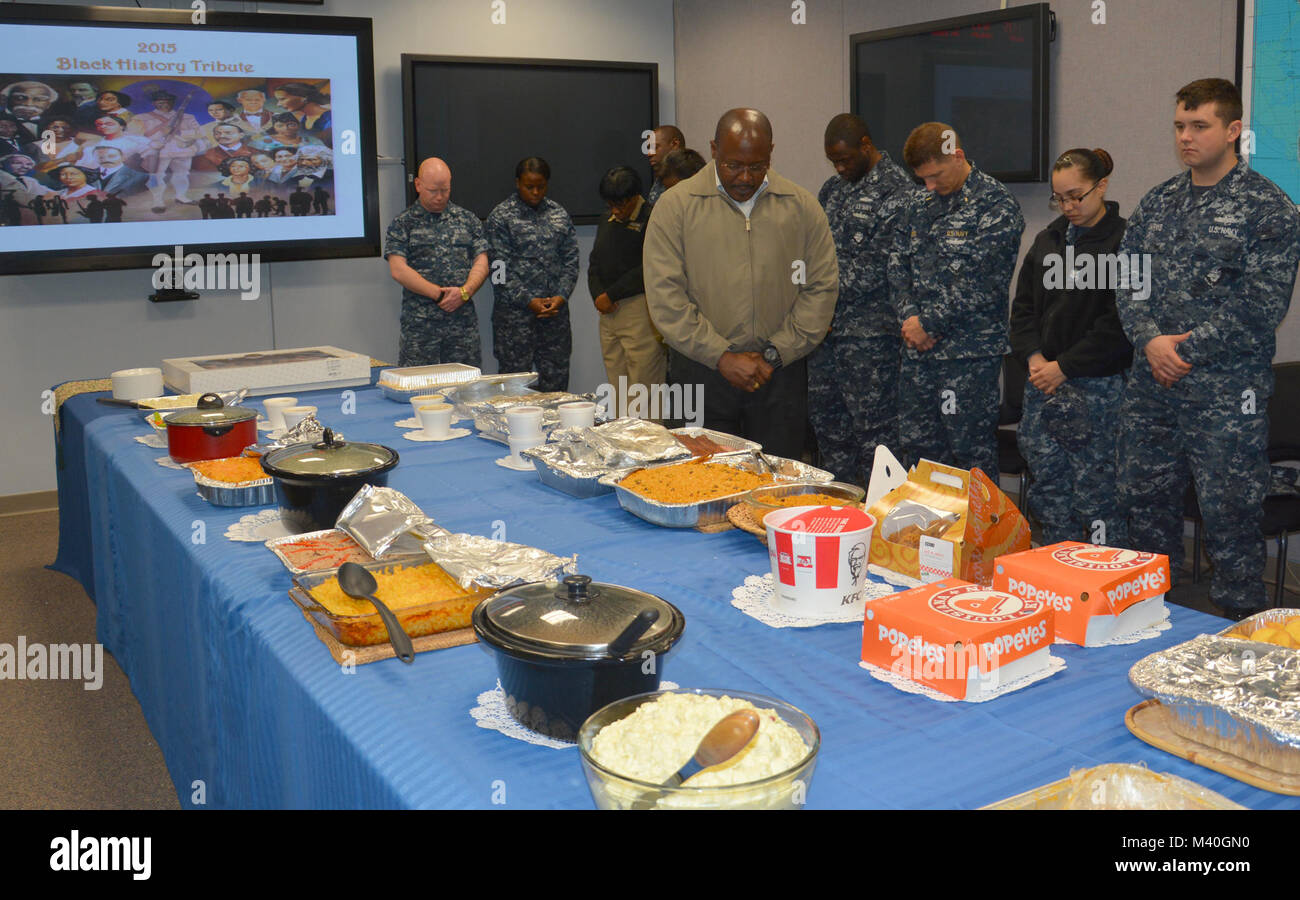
[65, 747]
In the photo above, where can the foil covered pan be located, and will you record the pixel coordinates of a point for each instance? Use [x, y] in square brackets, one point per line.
[476, 561]
[577, 458]
[1118, 786]
[1238, 696]
[702, 513]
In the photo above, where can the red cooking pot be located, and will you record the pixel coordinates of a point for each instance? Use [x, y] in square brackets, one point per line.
[213, 431]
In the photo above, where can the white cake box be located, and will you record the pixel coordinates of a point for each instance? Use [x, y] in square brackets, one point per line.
[268, 371]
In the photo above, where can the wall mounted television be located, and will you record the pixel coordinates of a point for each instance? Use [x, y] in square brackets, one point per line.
[483, 115]
[986, 75]
[127, 132]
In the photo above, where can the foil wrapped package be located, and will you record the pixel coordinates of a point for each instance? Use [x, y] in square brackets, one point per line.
[1235, 695]
[627, 443]
[478, 561]
[377, 517]
[308, 431]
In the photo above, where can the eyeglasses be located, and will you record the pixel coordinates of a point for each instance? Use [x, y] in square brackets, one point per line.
[1057, 201]
[734, 169]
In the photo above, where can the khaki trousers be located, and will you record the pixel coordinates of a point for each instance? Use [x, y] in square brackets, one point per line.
[632, 348]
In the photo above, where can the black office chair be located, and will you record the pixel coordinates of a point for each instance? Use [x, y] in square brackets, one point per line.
[1010, 412]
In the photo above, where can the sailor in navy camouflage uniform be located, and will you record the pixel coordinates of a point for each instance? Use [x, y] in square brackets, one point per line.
[1066, 332]
[950, 276]
[534, 248]
[437, 252]
[853, 375]
[1223, 244]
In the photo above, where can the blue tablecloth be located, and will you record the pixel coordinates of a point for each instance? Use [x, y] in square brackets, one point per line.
[251, 711]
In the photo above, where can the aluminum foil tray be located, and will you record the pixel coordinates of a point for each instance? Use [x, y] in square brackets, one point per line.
[730, 441]
[248, 493]
[714, 511]
[402, 384]
[1238, 696]
[554, 477]
[1118, 786]
[406, 549]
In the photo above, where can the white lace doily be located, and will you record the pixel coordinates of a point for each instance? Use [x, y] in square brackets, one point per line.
[155, 440]
[754, 599]
[168, 463]
[491, 713]
[1133, 637]
[908, 686]
[259, 527]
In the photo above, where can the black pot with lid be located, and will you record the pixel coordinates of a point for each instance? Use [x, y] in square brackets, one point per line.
[566, 649]
[314, 481]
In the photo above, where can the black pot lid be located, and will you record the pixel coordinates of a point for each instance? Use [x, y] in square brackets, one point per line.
[577, 617]
[331, 456]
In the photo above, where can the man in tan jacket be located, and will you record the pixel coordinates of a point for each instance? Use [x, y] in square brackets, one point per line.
[741, 281]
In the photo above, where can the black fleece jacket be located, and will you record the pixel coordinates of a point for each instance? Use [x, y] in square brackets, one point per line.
[615, 264]
[1078, 328]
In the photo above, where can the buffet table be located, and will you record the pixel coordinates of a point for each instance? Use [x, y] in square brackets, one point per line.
[251, 711]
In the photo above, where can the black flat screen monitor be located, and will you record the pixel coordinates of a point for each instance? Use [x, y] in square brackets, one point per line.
[482, 116]
[129, 132]
[986, 75]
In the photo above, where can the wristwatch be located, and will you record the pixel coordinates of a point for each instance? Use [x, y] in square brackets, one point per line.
[464, 294]
[772, 356]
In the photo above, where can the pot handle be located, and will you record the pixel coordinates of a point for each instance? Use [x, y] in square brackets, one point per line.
[217, 431]
[632, 633]
[328, 441]
[210, 401]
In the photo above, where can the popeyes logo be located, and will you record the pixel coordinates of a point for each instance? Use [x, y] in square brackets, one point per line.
[975, 604]
[1101, 559]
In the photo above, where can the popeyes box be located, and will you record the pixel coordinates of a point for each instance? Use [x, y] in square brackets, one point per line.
[943, 522]
[962, 639]
[819, 559]
[1098, 593]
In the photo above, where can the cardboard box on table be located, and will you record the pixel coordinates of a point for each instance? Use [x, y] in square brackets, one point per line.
[961, 639]
[1097, 592]
[988, 525]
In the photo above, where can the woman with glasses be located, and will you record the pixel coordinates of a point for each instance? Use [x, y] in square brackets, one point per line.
[1065, 328]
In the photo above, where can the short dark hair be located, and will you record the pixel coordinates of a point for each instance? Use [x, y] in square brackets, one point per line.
[118, 119]
[284, 118]
[226, 103]
[123, 100]
[1095, 164]
[682, 164]
[926, 143]
[306, 91]
[533, 164]
[1222, 93]
[674, 134]
[620, 183]
[846, 128]
[224, 167]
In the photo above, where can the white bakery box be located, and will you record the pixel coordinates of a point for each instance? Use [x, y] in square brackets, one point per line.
[268, 371]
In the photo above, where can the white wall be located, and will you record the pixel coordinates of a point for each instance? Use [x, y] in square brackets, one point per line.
[55, 328]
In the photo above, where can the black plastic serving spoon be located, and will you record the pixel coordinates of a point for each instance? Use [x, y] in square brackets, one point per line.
[357, 582]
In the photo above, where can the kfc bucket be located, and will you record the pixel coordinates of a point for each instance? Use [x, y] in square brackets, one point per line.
[819, 558]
